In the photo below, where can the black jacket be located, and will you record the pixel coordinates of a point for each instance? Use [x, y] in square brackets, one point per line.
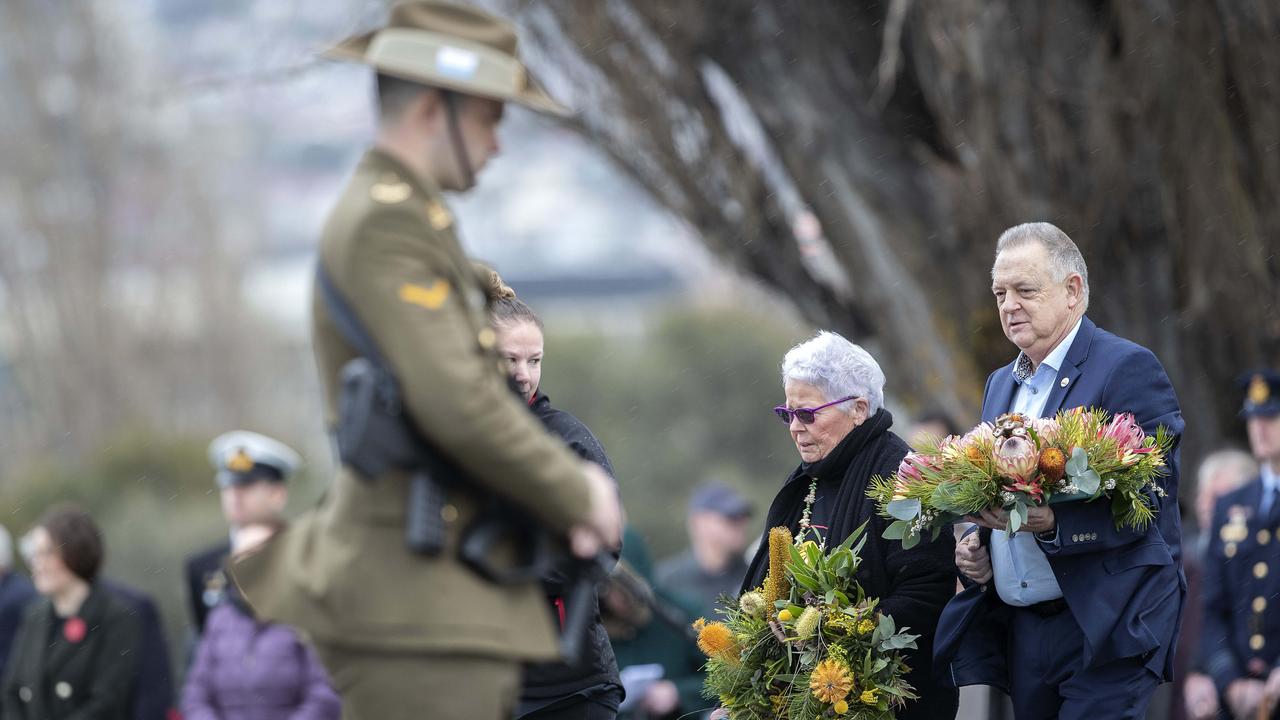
[598, 666]
[913, 585]
[205, 581]
[53, 675]
[153, 689]
[16, 593]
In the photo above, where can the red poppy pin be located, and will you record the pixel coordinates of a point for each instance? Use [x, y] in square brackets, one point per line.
[74, 629]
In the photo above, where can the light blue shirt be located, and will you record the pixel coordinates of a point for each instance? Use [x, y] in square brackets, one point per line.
[1269, 482]
[1022, 573]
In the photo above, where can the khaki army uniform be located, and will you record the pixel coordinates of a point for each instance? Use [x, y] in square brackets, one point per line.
[342, 573]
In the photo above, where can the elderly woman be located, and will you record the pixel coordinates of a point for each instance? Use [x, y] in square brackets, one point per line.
[591, 689]
[834, 397]
[76, 652]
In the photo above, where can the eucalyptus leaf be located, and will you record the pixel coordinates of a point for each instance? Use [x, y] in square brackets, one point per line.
[904, 508]
[1015, 518]
[896, 530]
[1078, 463]
[1089, 481]
[910, 541]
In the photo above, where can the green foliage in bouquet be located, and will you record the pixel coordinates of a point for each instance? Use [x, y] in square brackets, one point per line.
[1020, 462]
[821, 650]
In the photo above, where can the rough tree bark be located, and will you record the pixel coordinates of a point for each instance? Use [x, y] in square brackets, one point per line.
[917, 131]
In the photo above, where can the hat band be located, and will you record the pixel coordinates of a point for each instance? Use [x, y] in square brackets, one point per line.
[426, 54]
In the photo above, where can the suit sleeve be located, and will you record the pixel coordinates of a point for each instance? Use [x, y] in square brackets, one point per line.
[1137, 385]
[1214, 654]
[405, 296]
[113, 680]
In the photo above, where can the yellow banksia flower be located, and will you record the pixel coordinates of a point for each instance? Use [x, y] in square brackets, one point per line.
[841, 707]
[807, 625]
[716, 640]
[869, 697]
[776, 585]
[784, 615]
[865, 627]
[830, 681]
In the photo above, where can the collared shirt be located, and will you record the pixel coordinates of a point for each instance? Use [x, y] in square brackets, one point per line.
[1022, 573]
[1270, 481]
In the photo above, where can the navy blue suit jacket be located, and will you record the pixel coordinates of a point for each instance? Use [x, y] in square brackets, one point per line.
[1124, 588]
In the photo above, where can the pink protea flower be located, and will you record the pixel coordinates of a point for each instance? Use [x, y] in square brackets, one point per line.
[982, 434]
[1047, 429]
[1126, 432]
[1017, 459]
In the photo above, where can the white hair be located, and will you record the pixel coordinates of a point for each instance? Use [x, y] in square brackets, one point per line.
[1064, 256]
[1238, 466]
[6, 548]
[837, 368]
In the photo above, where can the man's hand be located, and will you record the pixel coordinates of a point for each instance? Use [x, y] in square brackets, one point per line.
[1040, 519]
[603, 528]
[1244, 696]
[991, 518]
[973, 560]
[1200, 697]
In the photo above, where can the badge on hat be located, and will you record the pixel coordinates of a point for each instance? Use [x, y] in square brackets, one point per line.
[1259, 390]
[240, 462]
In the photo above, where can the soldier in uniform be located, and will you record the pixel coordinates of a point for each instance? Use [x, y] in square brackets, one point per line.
[252, 472]
[403, 634]
[1240, 636]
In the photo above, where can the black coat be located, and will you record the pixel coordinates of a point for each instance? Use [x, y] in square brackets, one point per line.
[913, 585]
[206, 581]
[598, 666]
[16, 593]
[52, 678]
[153, 689]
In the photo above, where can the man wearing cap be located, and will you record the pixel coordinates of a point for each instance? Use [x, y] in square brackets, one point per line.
[405, 634]
[251, 471]
[1240, 633]
[714, 564]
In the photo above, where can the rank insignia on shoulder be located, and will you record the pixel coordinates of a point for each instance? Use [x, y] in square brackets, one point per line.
[390, 193]
[431, 298]
[438, 215]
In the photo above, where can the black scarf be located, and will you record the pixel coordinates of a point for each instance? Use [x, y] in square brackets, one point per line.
[847, 461]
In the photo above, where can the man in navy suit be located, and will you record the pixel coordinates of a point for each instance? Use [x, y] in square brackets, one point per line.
[1240, 631]
[1070, 616]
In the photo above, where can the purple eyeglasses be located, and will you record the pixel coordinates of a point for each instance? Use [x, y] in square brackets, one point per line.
[805, 415]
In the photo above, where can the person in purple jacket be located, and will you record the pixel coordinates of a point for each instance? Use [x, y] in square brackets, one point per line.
[250, 670]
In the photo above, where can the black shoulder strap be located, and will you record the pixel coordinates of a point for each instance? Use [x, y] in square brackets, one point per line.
[344, 317]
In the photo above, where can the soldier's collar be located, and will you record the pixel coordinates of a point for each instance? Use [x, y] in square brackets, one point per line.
[382, 163]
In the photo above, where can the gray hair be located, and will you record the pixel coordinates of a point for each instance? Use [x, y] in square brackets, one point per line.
[1239, 463]
[6, 548]
[1064, 256]
[837, 368]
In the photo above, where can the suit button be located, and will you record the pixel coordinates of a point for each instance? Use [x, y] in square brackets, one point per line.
[449, 513]
[1229, 550]
[24, 694]
[62, 690]
[1260, 570]
[1259, 604]
[1256, 642]
[1075, 538]
[1264, 536]
[1094, 536]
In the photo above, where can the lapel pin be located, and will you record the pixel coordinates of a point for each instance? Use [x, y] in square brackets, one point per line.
[1064, 382]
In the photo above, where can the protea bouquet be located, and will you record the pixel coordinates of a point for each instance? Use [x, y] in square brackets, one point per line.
[808, 643]
[1018, 462]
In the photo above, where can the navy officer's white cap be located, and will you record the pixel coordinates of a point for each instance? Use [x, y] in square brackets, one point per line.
[244, 457]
